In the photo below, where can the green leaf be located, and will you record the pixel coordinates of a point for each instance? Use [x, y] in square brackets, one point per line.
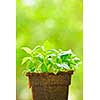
[64, 53]
[39, 57]
[51, 55]
[25, 59]
[38, 46]
[63, 66]
[27, 50]
[47, 45]
[43, 49]
[44, 68]
[49, 60]
[53, 51]
[60, 50]
[77, 60]
[58, 59]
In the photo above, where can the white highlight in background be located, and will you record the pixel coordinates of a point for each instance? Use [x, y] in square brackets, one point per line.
[29, 2]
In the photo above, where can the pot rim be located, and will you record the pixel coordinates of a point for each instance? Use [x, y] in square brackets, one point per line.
[70, 72]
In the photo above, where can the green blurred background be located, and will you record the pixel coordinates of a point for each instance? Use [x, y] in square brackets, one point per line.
[60, 22]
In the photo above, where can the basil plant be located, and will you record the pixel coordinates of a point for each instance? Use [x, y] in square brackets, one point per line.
[40, 60]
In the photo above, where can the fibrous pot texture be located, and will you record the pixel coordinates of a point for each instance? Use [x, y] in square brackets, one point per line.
[48, 86]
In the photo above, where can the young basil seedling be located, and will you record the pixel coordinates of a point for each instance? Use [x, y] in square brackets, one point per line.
[40, 60]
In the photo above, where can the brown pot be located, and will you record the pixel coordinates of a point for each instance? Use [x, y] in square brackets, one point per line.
[48, 86]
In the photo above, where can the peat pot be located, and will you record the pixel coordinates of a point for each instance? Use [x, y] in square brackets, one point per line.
[48, 86]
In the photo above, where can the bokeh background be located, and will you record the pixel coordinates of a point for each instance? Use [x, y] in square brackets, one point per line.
[59, 22]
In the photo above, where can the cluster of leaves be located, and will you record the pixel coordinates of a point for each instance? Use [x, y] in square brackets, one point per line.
[40, 60]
